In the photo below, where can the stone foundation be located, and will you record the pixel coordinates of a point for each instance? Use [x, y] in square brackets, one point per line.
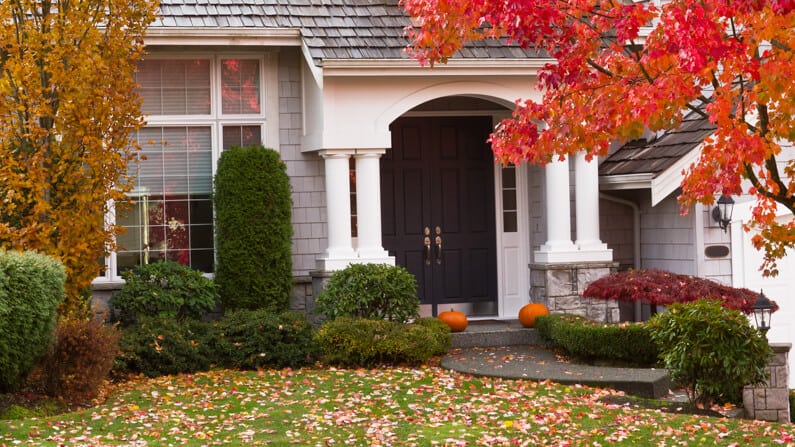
[559, 287]
[770, 401]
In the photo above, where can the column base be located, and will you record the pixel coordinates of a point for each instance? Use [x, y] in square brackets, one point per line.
[572, 256]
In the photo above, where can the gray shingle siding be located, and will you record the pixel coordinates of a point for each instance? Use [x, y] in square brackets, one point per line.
[305, 170]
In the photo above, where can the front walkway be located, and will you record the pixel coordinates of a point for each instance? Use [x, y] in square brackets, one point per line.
[538, 363]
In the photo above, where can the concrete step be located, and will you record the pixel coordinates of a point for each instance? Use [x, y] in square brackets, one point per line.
[493, 333]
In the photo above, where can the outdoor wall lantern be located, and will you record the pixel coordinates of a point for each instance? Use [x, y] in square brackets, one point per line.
[722, 213]
[762, 311]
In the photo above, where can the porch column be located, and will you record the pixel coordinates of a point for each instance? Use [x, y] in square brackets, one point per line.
[586, 190]
[558, 247]
[368, 205]
[338, 211]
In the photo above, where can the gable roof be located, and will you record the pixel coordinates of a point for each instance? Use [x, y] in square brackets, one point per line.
[330, 29]
[656, 164]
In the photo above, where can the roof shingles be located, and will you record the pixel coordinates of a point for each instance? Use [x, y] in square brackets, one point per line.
[373, 29]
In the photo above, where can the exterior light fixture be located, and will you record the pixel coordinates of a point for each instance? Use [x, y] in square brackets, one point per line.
[762, 312]
[722, 213]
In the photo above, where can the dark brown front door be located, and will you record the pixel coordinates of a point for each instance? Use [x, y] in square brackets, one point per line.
[437, 186]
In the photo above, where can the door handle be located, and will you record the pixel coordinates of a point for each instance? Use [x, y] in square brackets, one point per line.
[438, 250]
[427, 242]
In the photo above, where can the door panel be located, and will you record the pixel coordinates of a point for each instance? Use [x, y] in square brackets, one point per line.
[439, 175]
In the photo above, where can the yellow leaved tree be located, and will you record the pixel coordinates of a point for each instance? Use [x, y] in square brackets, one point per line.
[67, 111]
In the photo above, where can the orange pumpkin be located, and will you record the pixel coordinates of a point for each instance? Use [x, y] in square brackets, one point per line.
[528, 313]
[455, 319]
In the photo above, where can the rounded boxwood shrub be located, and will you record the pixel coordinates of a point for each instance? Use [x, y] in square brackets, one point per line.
[374, 291]
[253, 229]
[158, 346]
[166, 289]
[250, 339]
[31, 287]
[590, 341]
[360, 342]
[709, 350]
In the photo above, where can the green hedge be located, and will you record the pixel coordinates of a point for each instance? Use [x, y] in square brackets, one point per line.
[253, 229]
[590, 341]
[359, 342]
[372, 291]
[163, 289]
[250, 339]
[709, 350]
[242, 339]
[31, 287]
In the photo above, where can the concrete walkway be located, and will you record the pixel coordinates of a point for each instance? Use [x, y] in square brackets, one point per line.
[534, 361]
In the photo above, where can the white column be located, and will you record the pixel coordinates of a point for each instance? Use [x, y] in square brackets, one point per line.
[586, 193]
[558, 207]
[338, 211]
[368, 204]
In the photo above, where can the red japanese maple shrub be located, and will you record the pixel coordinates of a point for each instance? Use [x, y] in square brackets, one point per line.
[665, 288]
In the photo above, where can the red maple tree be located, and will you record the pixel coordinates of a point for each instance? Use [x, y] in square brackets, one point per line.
[620, 69]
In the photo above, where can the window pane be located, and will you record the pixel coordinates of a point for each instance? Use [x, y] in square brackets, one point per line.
[171, 197]
[509, 222]
[174, 87]
[241, 136]
[240, 89]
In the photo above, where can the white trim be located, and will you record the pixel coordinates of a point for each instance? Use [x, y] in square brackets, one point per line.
[228, 36]
[669, 180]
[410, 67]
[625, 181]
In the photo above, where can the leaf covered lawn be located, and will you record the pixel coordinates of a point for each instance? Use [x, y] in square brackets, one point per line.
[394, 406]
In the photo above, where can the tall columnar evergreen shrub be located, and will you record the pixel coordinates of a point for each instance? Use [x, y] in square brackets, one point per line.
[31, 287]
[253, 229]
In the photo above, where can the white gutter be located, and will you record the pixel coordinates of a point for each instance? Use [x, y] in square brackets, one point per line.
[211, 36]
[410, 67]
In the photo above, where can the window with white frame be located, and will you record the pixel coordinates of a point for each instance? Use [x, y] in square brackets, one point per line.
[195, 108]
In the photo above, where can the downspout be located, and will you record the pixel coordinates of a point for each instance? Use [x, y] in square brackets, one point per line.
[635, 238]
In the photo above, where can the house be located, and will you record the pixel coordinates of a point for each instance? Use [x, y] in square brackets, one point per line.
[389, 162]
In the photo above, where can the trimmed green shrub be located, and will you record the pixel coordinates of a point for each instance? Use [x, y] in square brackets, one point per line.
[250, 339]
[710, 350]
[253, 229]
[157, 346]
[31, 287]
[590, 341]
[163, 289]
[80, 359]
[359, 342]
[792, 405]
[371, 291]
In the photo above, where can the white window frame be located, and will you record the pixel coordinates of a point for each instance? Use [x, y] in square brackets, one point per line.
[268, 119]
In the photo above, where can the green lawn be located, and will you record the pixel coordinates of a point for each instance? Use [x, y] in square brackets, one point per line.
[395, 406]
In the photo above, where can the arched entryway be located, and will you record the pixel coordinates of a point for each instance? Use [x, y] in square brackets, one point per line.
[438, 205]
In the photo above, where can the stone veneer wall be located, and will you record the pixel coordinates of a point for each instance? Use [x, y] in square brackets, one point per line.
[770, 401]
[559, 287]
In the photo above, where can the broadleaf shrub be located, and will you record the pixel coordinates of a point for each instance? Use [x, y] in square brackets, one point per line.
[80, 359]
[31, 287]
[250, 339]
[371, 291]
[253, 210]
[360, 342]
[590, 341]
[666, 288]
[163, 289]
[709, 350]
[157, 346]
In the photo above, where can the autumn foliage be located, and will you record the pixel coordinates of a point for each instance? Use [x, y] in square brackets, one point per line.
[666, 288]
[67, 108]
[620, 69]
